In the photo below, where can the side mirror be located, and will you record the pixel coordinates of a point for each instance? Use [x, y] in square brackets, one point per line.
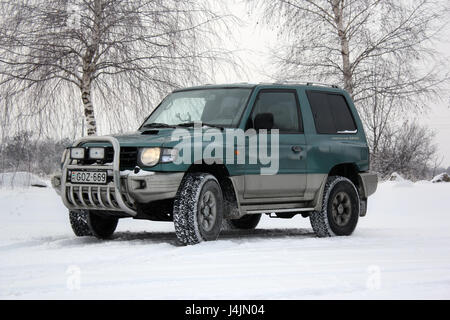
[263, 121]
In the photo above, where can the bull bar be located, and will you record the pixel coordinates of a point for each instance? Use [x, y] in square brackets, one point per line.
[97, 197]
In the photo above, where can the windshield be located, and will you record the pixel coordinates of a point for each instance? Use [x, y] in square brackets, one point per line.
[218, 107]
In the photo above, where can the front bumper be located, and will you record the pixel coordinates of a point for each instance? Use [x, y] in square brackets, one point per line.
[124, 190]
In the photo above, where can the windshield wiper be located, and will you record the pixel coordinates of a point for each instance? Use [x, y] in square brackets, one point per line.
[191, 124]
[187, 124]
[157, 125]
[213, 126]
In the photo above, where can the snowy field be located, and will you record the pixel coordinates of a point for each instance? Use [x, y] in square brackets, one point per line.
[401, 249]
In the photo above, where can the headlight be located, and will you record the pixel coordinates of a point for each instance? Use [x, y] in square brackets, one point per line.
[77, 153]
[150, 156]
[97, 153]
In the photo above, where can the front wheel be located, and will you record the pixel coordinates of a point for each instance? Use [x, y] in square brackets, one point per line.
[340, 209]
[198, 209]
[79, 223]
[91, 223]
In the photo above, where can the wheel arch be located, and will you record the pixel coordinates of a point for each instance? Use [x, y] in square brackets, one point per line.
[348, 170]
[221, 173]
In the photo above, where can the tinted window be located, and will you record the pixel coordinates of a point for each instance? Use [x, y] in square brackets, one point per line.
[343, 118]
[331, 112]
[321, 112]
[283, 106]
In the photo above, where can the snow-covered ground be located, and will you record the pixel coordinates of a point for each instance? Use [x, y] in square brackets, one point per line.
[21, 179]
[401, 249]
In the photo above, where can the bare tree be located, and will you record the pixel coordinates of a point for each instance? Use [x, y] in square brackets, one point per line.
[381, 52]
[22, 152]
[437, 162]
[408, 150]
[126, 51]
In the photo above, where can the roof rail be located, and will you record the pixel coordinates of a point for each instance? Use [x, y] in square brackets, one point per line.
[218, 84]
[309, 83]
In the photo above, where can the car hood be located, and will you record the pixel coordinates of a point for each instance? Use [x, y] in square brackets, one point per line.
[160, 137]
[153, 138]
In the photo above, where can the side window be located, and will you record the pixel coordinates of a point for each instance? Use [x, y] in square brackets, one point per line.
[284, 107]
[342, 116]
[321, 112]
[331, 113]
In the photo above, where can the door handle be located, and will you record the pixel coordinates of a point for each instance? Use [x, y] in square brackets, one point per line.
[296, 149]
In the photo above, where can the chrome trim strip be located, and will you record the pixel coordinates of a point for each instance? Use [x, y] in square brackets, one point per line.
[348, 131]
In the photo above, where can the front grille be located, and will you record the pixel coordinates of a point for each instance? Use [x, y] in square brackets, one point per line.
[128, 157]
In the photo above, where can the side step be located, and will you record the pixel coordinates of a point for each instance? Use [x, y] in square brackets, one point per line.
[279, 210]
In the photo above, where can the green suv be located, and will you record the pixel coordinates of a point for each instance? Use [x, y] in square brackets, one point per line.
[220, 156]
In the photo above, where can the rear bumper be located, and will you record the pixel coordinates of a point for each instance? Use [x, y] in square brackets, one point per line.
[369, 182]
[124, 190]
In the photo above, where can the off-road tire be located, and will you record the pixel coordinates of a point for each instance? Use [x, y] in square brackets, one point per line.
[190, 206]
[324, 222]
[91, 223]
[102, 226]
[79, 222]
[247, 222]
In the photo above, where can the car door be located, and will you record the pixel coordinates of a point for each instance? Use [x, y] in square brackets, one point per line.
[290, 179]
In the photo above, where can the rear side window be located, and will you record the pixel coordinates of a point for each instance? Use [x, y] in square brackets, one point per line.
[331, 113]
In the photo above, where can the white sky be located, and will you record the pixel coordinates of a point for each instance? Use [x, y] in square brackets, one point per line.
[253, 41]
[439, 115]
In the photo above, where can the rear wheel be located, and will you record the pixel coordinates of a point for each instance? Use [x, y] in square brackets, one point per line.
[198, 209]
[91, 223]
[340, 209]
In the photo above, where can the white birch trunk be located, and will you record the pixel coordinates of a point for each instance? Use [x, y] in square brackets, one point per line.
[89, 70]
[338, 11]
[91, 124]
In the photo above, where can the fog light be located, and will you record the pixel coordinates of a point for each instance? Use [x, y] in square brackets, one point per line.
[77, 153]
[97, 153]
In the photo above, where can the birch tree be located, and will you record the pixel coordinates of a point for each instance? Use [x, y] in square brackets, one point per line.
[380, 51]
[117, 49]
